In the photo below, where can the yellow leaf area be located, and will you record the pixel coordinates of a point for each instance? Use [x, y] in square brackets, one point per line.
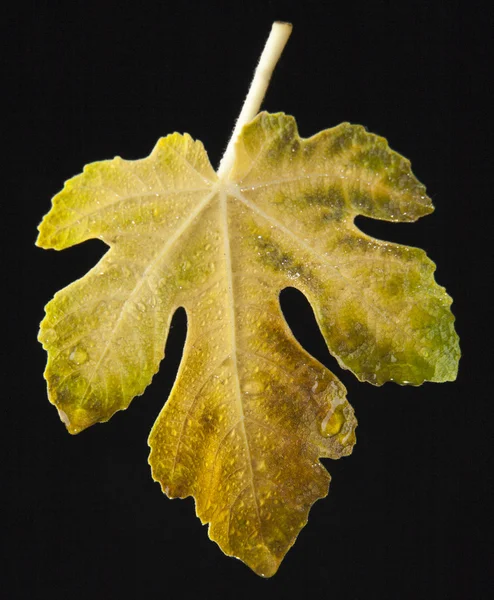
[251, 413]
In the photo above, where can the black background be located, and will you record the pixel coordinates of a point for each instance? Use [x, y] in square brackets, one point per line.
[407, 512]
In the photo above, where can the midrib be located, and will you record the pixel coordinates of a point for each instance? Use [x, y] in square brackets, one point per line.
[233, 340]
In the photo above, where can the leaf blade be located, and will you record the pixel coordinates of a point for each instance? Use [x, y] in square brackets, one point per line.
[392, 283]
[228, 480]
[125, 303]
[251, 413]
[107, 199]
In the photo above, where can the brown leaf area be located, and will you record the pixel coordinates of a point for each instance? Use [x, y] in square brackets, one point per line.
[251, 413]
[245, 438]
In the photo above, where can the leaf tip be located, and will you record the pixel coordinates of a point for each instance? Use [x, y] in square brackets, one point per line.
[42, 241]
[47, 235]
[71, 428]
[268, 568]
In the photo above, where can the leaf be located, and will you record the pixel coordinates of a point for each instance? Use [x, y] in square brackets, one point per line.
[251, 412]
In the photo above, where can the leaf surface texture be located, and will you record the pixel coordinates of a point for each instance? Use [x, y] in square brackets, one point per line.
[251, 412]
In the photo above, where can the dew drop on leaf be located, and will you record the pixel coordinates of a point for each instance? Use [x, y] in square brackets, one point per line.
[78, 356]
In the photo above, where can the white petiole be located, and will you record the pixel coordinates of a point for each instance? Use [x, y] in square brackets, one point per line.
[278, 37]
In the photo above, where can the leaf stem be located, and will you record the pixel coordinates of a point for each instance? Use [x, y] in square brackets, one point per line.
[278, 37]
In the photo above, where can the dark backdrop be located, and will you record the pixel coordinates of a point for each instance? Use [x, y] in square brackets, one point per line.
[406, 516]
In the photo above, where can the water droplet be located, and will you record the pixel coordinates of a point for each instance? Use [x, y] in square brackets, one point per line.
[157, 215]
[253, 386]
[78, 355]
[49, 336]
[63, 417]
